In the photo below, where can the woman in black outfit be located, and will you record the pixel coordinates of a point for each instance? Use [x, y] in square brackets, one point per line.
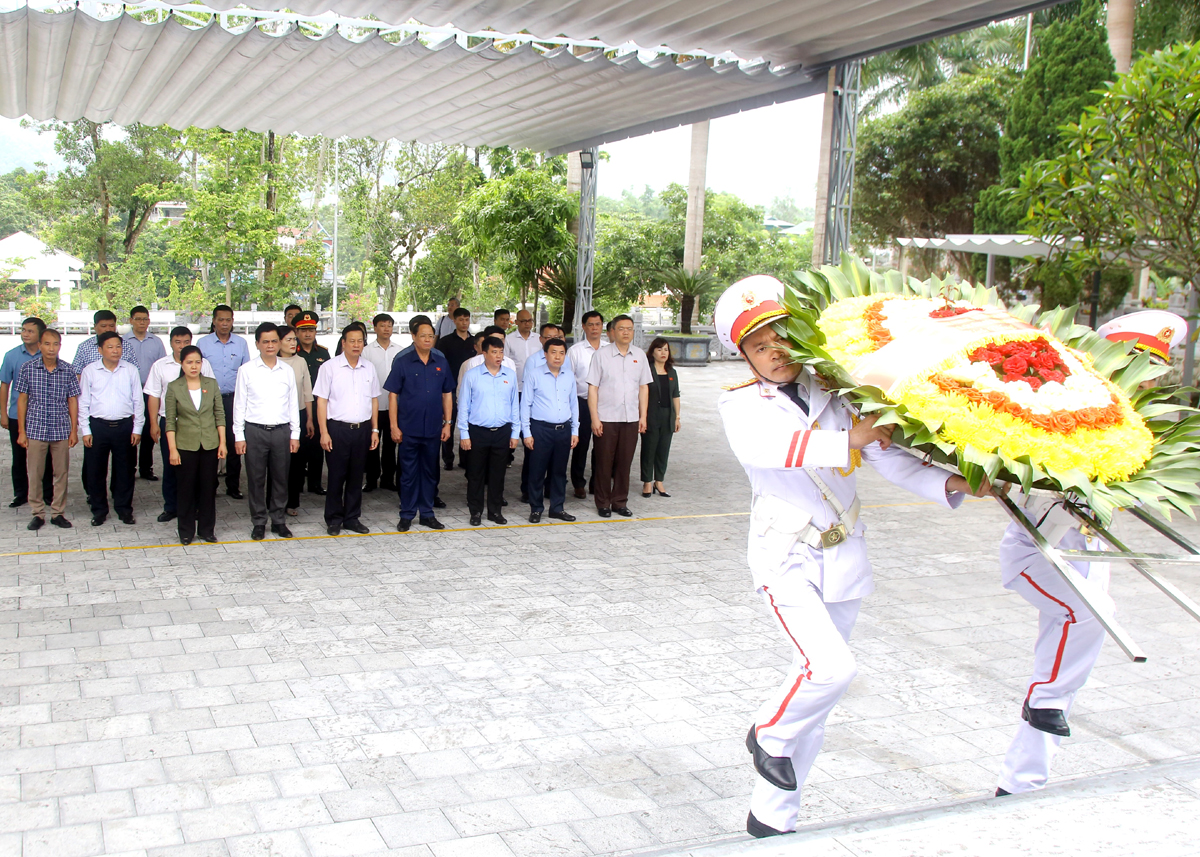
[662, 418]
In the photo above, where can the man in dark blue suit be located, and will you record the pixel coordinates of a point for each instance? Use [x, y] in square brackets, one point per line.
[420, 402]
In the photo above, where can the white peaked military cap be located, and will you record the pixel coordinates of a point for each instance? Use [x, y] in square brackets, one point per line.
[746, 306]
[1153, 330]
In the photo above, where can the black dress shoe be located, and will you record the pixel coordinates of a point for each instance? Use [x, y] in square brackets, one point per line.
[623, 511]
[404, 525]
[449, 466]
[432, 523]
[36, 523]
[258, 533]
[561, 516]
[439, 503]
[60, 521]
[524, 497]
[580, 494]
[211, 538]
[18, 502]
[498, 519]
[320, 492]
[166, 516]
[759, 830]
[281, 530]
[236, 494]
[356, 527]
[150, 478]
[776, 770]
[1002, 793]
[604, 513]
[503, 502]
[535, 517]
[185, 540]
[334, 531]
[1050, 720]
[98, 520]
[128, 520]
[476, 520]
[369, 487]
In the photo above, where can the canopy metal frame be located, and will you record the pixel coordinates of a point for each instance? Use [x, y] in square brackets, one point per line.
[843, 143]
[586, 259]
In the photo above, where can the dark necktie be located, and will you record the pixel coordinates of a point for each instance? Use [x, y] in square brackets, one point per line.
[792, 391]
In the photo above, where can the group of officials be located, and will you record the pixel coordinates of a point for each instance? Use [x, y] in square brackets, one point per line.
[372, 412]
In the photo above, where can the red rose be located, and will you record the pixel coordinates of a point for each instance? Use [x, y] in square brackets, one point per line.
[1053, 375]
[1032, 381]
[1016, 366]
[1011, 379]
[994, 358]
[1044, 360]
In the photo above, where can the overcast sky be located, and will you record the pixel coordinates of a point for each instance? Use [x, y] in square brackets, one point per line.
[757, 155]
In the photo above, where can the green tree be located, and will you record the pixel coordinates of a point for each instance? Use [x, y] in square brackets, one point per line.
[519, 223]
[919, 171]
[1127, 184]
[100, 203]
[443, 272]
[16, 215]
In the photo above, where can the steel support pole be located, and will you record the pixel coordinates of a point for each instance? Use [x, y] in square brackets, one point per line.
[1072, 578]
[586, 258]
[842, 144]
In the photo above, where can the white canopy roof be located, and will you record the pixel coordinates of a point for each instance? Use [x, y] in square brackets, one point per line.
[68, 65]
[25, 257]
[1017, 246]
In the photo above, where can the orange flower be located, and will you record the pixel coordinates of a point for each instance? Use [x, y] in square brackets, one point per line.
[1063, 422]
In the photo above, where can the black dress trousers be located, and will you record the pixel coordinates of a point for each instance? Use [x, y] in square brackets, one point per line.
[488, 462]
[347, 462]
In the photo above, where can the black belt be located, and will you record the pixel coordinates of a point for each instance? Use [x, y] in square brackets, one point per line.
[117, 423]
[551, 426]
[270, 428]
[490, 428]
[357, 425]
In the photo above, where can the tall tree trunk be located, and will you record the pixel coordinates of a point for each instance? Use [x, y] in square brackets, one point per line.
[228, 274]
[105, 205]
[693, 237]
[269, 263]
[686, 304]
[1119, 22]
[568, 316]
[822, 208]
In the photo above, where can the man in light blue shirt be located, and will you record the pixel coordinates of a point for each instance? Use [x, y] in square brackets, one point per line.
[31, 334]
[488, 427]
[226, 353]
[88, 352]
[550, 423]
[147, 350]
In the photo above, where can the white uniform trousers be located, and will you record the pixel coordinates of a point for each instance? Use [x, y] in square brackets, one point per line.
[792, 721]
[1068, 644]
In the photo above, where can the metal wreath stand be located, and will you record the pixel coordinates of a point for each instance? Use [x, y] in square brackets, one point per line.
[1059, 559]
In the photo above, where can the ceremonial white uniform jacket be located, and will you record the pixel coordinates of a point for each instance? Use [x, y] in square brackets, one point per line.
[1019, 554]
[774, 440]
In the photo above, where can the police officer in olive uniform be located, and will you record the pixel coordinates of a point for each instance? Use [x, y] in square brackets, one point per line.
[314, 355]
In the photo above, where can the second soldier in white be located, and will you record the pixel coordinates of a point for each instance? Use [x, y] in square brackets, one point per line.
[800, 447]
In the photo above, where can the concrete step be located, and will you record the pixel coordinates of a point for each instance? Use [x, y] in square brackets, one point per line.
[1151, 811]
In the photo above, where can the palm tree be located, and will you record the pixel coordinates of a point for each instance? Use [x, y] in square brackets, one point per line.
[558, 282]
[686, 287]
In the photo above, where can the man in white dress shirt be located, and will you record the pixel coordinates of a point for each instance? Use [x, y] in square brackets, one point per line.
[163, 372]
[347, 394]
[381, 461]
[111, 416]
[266, 429]
[580, 357]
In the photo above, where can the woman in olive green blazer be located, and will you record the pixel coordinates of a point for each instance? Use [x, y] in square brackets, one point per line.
[195, 428]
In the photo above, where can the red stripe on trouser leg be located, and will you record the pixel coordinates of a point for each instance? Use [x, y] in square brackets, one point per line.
[792, 450]
[805, 672]
[1062, 643]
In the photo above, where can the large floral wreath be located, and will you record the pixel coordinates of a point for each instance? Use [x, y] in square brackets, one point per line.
[1019, 396]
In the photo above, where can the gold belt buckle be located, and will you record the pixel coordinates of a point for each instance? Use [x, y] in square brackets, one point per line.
[834, 536]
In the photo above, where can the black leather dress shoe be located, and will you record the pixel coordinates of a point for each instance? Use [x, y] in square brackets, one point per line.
[166, 516]
[356, 527]
[60, 521]
[1002, 793]
[604, 513]
[236, 494]
[319, 491]
[369, 487]
[258, 533]
[476, 520]
[36, 523]
[211, 538]
[580, 494]
[498, 519]
[776, 770]
[760, 831]
[128, 520]
[281, 530]
[185, 540]
[561, 516]
[1050, 720]
[149, 477]
[439, 503]
[623, 511]
[449, 466]
[333, 531]
[98, 520]
[524, 497]
[404, 525]
[18, 502]
[535, 517]
[432, 523]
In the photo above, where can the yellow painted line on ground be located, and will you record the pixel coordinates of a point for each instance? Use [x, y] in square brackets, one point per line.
[424, 532]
